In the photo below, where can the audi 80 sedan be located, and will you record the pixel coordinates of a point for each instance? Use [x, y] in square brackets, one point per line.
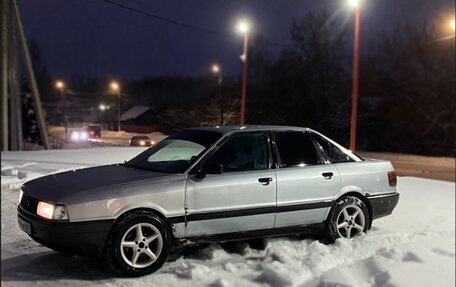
[208, 184]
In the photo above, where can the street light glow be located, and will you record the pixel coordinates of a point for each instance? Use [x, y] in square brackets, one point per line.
[215, 68]
[59, 85]
[102, 107]
[243, 26]
[354, 3]
[114, 86]
[453, 24]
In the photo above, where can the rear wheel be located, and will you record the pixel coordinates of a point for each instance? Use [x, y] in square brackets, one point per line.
[348, 219]
[138, 244]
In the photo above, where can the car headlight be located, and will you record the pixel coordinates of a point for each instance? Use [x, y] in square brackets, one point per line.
[142, 142]
[83, 135]
[21, 194]
[75, 135]
[51, 211]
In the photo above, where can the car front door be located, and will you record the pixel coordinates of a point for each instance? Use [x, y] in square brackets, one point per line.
[306, 182]
[234, 189]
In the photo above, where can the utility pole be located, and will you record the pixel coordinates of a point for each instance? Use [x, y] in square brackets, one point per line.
[4, 73]
[30, 74]
[15, 94]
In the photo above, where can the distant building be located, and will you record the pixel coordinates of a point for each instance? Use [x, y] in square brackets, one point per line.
[139, 119]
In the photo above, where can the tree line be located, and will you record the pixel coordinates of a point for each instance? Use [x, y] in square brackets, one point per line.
[406, 100]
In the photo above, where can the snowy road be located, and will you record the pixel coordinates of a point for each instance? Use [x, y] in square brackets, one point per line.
[413, 247]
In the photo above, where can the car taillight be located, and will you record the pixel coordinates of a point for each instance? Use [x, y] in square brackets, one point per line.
[392, 178]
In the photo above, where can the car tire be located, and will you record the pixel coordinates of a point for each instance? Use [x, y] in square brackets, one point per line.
[348, 219]
[138, 244]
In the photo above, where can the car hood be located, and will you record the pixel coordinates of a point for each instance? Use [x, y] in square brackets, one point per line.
[55, 186]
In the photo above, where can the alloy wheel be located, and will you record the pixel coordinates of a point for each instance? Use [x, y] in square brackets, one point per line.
[141, 245]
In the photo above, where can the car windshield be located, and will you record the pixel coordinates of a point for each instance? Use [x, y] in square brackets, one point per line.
[175, 153]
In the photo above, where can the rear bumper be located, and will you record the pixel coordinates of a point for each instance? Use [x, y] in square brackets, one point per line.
[86, 238]
[383, 205]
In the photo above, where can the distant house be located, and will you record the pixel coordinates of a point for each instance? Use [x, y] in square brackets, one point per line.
[139, 119]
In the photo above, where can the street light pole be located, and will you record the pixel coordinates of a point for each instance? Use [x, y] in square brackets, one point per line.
[118, 110]
[216, 69]
[244, 28]
[60, 86]
[244, 78]
[355, 80]
[116, 88]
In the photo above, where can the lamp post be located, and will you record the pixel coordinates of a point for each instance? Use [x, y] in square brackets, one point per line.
[61, 87]
[355, 86]
[244, 27]
[116, 88]
[216, 70]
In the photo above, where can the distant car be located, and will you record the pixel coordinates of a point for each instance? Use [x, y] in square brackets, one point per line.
[208, 185]
[93, 131]
[78, 135]
[141, 141]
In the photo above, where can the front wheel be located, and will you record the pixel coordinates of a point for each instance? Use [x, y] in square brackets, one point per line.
[138, 244]
[348, 219]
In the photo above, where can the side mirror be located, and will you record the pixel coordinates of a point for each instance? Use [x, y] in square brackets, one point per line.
[208, 168]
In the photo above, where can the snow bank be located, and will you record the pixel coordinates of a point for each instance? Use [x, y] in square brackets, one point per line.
[415, 246]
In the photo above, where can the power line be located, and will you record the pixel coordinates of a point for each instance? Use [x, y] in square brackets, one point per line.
[182, 24]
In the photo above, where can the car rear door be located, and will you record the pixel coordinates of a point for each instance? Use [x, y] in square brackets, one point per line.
[242, 197]
[306, 181]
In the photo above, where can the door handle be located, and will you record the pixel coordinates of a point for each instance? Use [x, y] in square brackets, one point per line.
[327, 175]
[265, 180]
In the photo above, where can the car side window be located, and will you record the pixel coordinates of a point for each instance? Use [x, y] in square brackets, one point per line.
[296, 149]
[334, 154]
[242, 153]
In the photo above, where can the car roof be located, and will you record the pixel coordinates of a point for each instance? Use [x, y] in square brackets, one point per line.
[234, 128]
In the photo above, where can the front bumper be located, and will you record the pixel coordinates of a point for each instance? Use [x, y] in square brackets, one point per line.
[383, 205]
[86, 238]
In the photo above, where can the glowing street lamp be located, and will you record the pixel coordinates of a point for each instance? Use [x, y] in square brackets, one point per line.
[355, 84]
[453, 24]
[354, 3]
[244, 27]
[216, 70]
[115, 87]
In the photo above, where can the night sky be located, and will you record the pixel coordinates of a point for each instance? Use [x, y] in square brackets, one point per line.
[93, 38]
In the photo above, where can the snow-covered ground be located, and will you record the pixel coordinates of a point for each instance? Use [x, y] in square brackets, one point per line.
[415, 246]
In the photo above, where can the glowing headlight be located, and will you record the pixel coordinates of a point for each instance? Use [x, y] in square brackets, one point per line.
[75, 136]
[142, 143]
[51, 211]
[152, 142]
[21, 193]
[83, 135]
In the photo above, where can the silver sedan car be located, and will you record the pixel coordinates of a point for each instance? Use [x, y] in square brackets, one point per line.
[209, 184]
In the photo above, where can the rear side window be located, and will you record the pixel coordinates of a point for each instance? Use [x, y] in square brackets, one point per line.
[296, 149]
[334, 154]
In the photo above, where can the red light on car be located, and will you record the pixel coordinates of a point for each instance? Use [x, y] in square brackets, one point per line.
[392, 178]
